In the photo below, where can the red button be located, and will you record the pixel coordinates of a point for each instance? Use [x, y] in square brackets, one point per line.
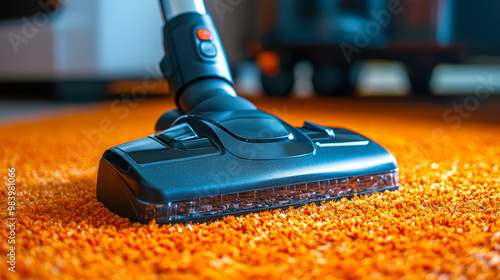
[204, 35]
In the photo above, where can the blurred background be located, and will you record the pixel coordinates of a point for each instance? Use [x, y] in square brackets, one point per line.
[54, 51]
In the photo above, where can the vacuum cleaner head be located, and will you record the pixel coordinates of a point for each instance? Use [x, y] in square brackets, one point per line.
[218, 155]
[209, 165]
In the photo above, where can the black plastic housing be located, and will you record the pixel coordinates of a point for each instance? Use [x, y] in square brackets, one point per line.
[203, 157]
[198, 81]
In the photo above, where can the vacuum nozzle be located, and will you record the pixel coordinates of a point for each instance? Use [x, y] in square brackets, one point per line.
[218, 155]
[210, 165]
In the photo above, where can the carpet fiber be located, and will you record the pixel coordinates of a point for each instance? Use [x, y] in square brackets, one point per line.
[443, 222]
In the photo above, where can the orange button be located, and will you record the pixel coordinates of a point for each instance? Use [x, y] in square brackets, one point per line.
[204, 34]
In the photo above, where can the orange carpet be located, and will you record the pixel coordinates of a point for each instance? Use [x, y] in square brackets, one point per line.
[442, 224]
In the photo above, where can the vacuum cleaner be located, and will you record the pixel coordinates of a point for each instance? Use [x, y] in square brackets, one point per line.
[218, 155]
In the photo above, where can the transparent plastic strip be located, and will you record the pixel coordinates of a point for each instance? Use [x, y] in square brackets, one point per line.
[268, 198]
